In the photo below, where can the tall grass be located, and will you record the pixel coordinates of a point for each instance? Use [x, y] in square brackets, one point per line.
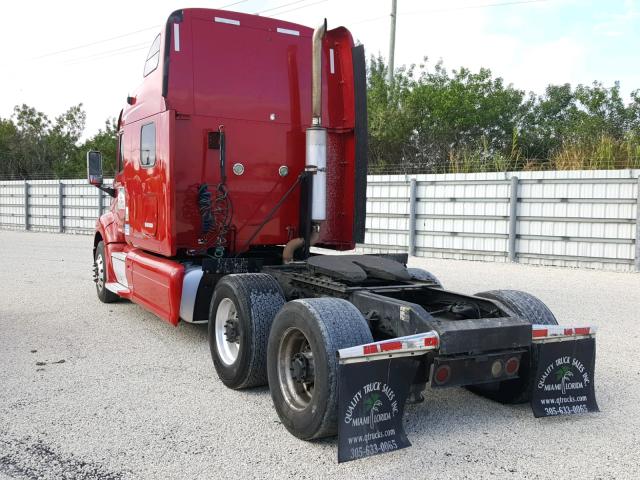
[485, 159]
[601, 153]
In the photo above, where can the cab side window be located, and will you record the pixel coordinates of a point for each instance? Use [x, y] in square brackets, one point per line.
[153, 57]
[148, 145]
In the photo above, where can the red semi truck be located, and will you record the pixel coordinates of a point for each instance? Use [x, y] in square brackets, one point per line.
[246, 145]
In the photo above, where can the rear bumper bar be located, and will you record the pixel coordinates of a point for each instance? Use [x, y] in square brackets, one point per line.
[423, 343]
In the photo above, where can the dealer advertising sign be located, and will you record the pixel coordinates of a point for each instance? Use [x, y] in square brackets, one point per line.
[371, 403]
[564, 378]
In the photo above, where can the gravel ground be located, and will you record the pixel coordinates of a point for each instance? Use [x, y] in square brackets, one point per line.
[89, 390]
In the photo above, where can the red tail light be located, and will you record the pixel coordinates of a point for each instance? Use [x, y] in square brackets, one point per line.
[512, 366]
[442, 374]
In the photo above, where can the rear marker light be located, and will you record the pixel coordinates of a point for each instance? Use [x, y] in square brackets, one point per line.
[389, 346]
[417, 344]
[512, 366]
[431, 342]
[370, 349]
[288, 31]
[176, 37]
[442, 375]
[228, 21]
[540, 333]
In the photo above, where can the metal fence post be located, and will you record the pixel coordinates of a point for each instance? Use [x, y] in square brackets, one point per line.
[26, 205]
[412, 217]
[100, 202]
[513, 219]
[60, 206]
[637, 259]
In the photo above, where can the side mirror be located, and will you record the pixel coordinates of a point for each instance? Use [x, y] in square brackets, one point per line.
[94, 168]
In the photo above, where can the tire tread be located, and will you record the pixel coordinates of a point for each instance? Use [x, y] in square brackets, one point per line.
[106, 295]
[263, 298]
[423, 275]
[534, 311]
[523, 304]
[341, 325]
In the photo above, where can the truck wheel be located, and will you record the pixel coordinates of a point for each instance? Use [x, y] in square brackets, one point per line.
[100, 276]
[533, 310]
[302, 362]
[242, 309]
[422, 275]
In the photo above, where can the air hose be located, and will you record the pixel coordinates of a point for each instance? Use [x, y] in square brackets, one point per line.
[216, 211]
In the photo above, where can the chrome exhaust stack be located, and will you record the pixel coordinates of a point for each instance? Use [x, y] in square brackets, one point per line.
[316, 74]
[316, 154]
[315, 158]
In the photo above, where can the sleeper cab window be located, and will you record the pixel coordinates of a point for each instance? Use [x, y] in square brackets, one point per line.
[153, 57]
[148, 145]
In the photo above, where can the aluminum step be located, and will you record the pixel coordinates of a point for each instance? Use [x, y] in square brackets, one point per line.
[117, 288]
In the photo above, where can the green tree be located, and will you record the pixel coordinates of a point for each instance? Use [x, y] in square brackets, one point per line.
[390, 125]
[103, 141]
[32, 146]
[462, 111]
[585, 118]
[634, 113]
[30, 152]
[63, 141]
[547, 120]
[8, 147]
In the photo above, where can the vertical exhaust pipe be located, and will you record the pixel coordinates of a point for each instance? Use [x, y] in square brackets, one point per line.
[316, 74]
[316, 154]
[316, 158]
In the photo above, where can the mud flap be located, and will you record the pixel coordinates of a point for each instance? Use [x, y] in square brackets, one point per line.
[563, 384]
[371, 400]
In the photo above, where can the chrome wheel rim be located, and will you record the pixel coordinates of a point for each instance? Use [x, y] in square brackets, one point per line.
[227, 344]
[296, 369]
[100, 272]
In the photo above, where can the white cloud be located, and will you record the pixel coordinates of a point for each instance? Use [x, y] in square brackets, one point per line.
[556, 61]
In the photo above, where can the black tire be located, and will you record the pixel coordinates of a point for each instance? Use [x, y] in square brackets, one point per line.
[328, 324]
[256, 298]
[422, 275]
[533, 310]
[100, 276]
[523, 305]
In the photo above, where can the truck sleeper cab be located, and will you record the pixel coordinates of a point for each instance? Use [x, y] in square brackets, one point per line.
[244, 146]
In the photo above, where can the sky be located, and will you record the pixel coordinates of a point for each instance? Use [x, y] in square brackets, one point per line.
[58, 54]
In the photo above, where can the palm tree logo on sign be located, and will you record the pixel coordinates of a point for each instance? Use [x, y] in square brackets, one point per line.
[372, 405]
[563, 375]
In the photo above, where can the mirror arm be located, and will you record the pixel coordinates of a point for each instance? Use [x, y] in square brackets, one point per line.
[108, 190]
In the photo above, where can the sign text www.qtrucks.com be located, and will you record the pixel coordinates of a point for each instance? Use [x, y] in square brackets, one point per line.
[364, 449]
[565, 405]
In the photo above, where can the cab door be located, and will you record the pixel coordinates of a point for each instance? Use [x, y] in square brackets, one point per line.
[119, 206]
[148, 185]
